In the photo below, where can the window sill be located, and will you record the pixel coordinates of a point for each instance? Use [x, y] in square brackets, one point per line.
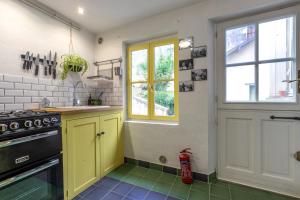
[167, 123]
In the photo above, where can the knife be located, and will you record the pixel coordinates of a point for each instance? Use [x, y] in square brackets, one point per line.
[50, 64]
[37, 65]
[54, 65]
[45, 66]
[30, 62]
[26, 59]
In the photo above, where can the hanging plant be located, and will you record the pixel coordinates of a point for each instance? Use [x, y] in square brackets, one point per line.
[72, 62]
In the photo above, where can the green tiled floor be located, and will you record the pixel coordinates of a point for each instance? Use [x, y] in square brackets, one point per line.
[171, 185]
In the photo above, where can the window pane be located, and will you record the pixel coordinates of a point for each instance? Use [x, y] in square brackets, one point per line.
[139, 68]
[164, 62]
[240, 44]
[276, 39]
[164, 98]
[139, 99]
[271, 87]
[240, 83]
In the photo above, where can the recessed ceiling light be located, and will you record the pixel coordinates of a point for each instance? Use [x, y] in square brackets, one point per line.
[80, 10]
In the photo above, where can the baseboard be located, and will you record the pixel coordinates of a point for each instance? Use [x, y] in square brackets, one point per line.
[170, 170]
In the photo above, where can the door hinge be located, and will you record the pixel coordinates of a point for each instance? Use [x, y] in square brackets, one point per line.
[67, 194]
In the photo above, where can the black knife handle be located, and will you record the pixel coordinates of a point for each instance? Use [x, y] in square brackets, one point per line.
[46, 71]
[54, 73]
[24, 64]
[36, 71]
[50, 69]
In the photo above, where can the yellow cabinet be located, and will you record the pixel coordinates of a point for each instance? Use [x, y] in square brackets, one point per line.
[83, 157]
[111, 142]
[92, 147]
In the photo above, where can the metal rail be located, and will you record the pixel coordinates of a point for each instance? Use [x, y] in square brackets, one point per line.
[51, 13]
[107, 62]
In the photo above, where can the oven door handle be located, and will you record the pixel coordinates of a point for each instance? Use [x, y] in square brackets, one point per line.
[27, 139]
[28, 173]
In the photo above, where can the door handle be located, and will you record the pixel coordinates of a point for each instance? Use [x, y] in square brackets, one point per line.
[297, 156]
[101, 133]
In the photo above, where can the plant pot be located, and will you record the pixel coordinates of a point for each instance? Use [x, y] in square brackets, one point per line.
[75, 68]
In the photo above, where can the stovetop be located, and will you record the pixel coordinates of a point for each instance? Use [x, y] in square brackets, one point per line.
[20, 120]
[21, 113]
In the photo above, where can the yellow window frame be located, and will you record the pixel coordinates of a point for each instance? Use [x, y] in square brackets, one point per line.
[150, 46]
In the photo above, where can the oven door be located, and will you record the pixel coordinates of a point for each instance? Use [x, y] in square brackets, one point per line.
[41, 181]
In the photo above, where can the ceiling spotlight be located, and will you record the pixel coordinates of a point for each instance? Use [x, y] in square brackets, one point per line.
[80, 10]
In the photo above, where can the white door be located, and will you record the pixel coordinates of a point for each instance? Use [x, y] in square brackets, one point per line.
[257, 56]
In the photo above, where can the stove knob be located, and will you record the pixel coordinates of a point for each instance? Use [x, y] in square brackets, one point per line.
[54, 120]
[37, 123]
[28, 124]
[14, 125]
[46, 121]
[3, 128]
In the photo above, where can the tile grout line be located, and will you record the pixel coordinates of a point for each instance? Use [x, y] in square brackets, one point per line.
[230, 196]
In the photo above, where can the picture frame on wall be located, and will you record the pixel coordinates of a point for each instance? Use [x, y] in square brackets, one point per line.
[186, 64]
[186, 86]
[199, 52]
[186, 43]
[199, 74]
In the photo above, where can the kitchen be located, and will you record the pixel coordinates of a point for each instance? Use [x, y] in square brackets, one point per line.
[238, 151]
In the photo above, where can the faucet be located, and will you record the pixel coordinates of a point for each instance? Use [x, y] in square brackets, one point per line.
[76, 101]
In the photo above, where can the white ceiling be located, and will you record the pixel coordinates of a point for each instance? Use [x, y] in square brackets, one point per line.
[102, 15]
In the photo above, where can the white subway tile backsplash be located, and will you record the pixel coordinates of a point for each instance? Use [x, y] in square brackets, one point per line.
[31, 93]
[23, 86]
[6, 85]
[31, 106]
[17, 92]
[44, 81]
[52, 88]
[63, 89]
[22, 99]
[58, 94]
[38, 87]
[9, 107]
[7, 100]
[13, 78]
[11, 93]
[45, 94]
[36, 99]
[30, 80]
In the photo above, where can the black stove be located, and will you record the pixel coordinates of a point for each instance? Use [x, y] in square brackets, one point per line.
[18, 121]
[30, 155]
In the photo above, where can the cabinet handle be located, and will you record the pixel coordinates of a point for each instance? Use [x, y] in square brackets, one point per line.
[102, 133]
[98, 134]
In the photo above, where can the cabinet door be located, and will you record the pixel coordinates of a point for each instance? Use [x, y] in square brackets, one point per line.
[111, 145]
[83, 154]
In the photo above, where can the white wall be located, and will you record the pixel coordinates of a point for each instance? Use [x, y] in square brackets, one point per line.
[196, 127]
[25, 29]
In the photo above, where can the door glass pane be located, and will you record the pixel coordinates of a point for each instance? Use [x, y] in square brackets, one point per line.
[139, 68]
[164, 62]
[240, 44]
[240, 83]
[164, 98]
[276, 39]
[271, 87]
[139, 99]
[35, 187]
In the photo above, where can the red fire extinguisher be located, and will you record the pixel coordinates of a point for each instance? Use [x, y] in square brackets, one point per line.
[186, 168]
